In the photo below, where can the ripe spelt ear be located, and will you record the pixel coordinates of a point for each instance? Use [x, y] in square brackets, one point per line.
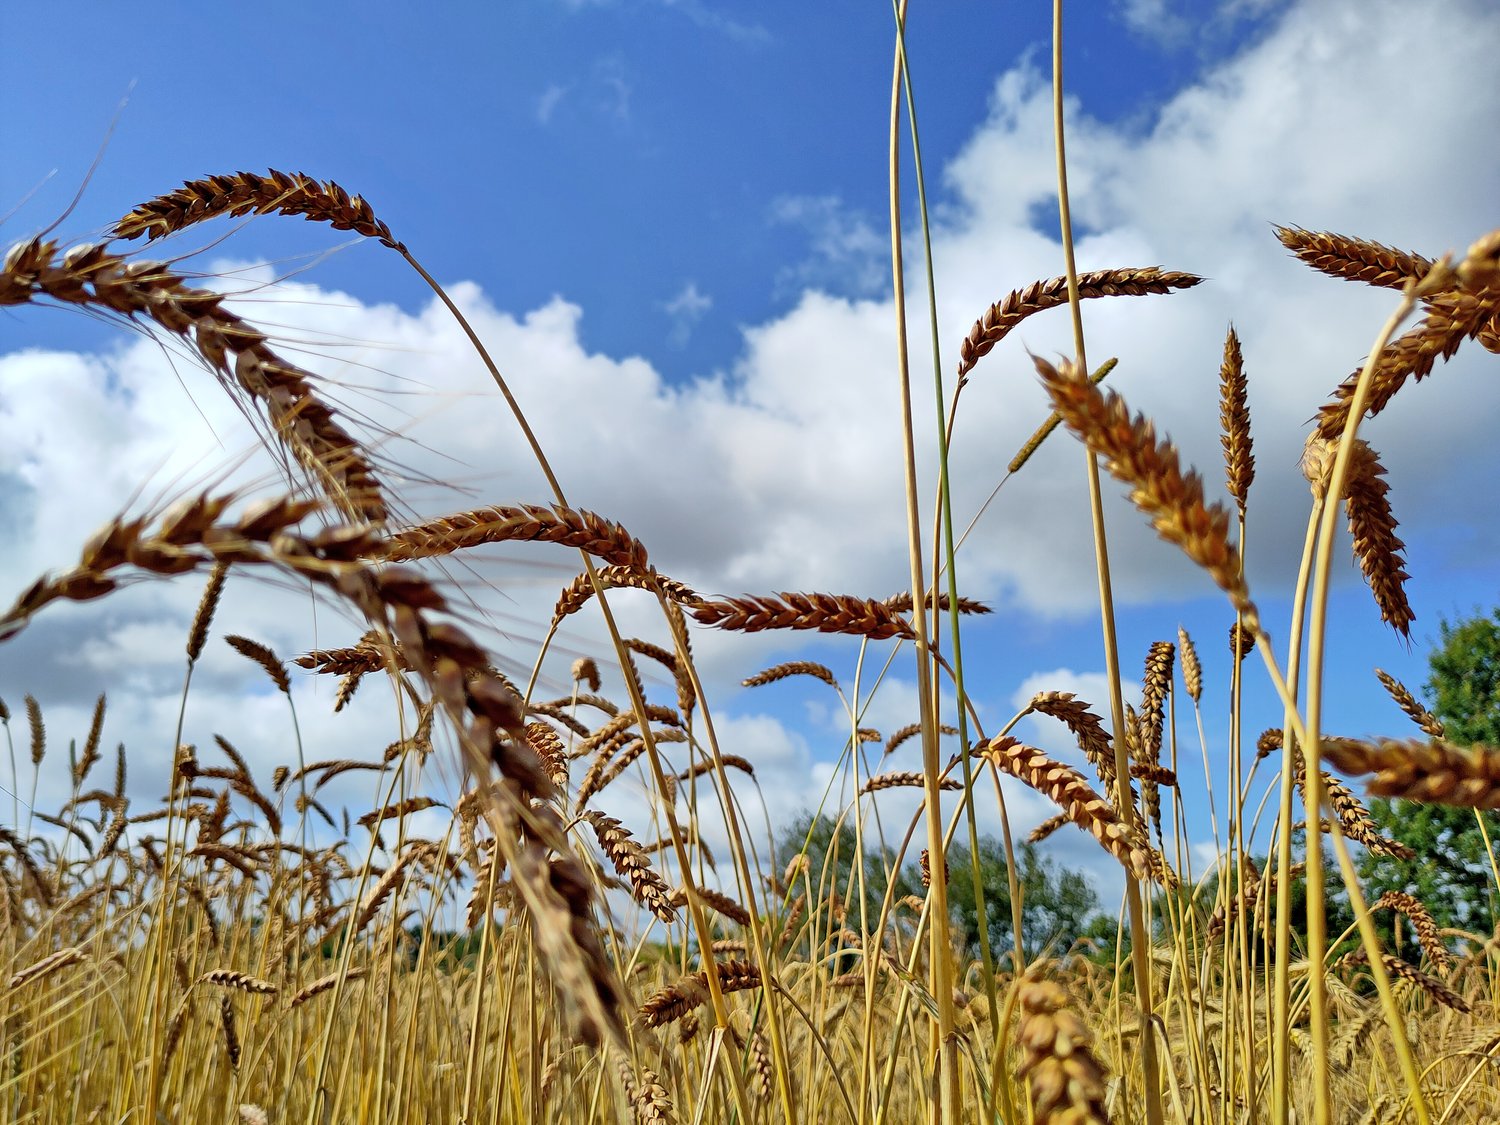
[525, 523]
[1422, 922]
[1418, 714]
[1066, 1079]
[793, 668]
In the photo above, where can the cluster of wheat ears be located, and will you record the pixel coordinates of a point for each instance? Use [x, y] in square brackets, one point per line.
[200, 960]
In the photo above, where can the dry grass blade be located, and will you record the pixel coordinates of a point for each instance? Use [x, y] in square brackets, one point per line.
[1003, 316]
[1376, 544]
[1171, 496]
[600, 537]
[1066, 1079]
[1354, 259]
[1234, 419]
[827, 613]
[244, 193]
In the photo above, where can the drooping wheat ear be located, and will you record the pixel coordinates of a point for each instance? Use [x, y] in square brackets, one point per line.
[1422, 922]
[40, 885]
[1067, 789]
[1452, 318]
[731, 761]
[1044, 431]
[204, 614]
[1425, 719]
[1153, 772]
[544, 741]
[1408, 972]
[91, 276]
[240, 982]
[1192, 670]
[322, 985]
[1171, 496]
[606, 769]
[396, 810]
[717, 901]
[231, 1036]
[827, 613]
[369, 654]
[586, 671]
[244, 193]
[793, 668]
[1086, 726]
[1436, 773]
[39, 970]
[1003, 316]
[760, 1060]
[1047, 827]
[1354, 259]
[576, 594]
[1373, 529]
[261, 654]
[902, 603]
[1066, 1079]
[903, 733]
[527, 523]
[903, 779]
[1354, 818]
[690, 993]
[924, 869]
[630, 860]
[90, 755]
[1234, 418]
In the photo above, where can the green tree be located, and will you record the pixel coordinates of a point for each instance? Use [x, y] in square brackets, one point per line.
[1057, 904]
[1451, 870]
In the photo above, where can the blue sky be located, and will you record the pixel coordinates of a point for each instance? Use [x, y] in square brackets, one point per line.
[669, 219]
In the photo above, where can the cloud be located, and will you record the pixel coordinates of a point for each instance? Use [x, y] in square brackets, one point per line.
[685, 310]
[848, 254]
[550, 99]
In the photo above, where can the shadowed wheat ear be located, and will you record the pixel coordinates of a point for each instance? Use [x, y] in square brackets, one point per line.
[1234, 419]
[1428, 936]
[1171, 496]
[1410, 973]
[90, 276]
[1066, 1079]
[1004, 315]
[689, 993]
[1425, 719]
[1354, 259]
[1373, 529]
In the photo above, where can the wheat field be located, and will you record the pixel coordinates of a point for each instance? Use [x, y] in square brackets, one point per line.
[238, 952]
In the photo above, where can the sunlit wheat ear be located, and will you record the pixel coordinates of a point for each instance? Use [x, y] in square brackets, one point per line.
[1425, 719]
[630, 860]
[90, 276]
[1376, 544]
[793, 668]
[52, 963]
[1066, 787]
[826, 613]
[586, 672]
[902, 603]
[1192, 671]
[576, 594]
[1171, 496]
[647, 1097]
[1066, 1079]
[1004, 315]
[903, 779]
[1234, 420]
[1422, 922]
[531, 523]
[690, 993]
[1354, 259]
[901, 734]
[1467, 311]
[1436, 773]
[1087, 728]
